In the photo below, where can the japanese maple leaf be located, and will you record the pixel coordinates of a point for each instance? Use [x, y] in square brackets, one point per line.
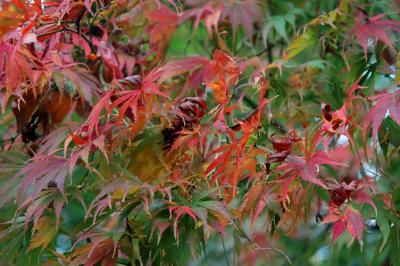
[99, 249]
[161, 25]
[93, 119]
[10, 17]
[338, 228]
[375, 28]
[160, 225]
[355, 224]
[62, 10]
[139, 85]
[180, 211]
[351, 219]
[109, 57]
[45, 231]
[86, 84]
[252, 121]
[222, 68]
[221, 161]
[384, 102]
[232, 162]
[16, 62]
[307, 168]
[177, 67]
[348, 189]
[209, 14]
[304, 168]
[254, 202]
[42, 170]
[127, 55]
[333, 121]
[188, 114]
[218, 74]
[282, 147]
[36, 206]
[244, 13]
[221, 73]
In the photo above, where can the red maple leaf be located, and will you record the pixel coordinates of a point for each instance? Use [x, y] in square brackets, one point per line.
[180, 211]
[238, 13]
[244, 13]
[307, 168]
[42, 170]
[283, 147]
[376, 28]
[355, 224]
[386, 102]
[209, 13]
[252, 121]
[161, 26]
[333, 121]
[338, 228]
[218, 74]
[349, 188]
[351, 219]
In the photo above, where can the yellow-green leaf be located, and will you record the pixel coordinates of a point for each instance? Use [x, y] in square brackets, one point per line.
[308, 38]
[45, 231]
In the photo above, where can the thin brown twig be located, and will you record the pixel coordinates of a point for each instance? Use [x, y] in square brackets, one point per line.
[12, 139]
[95, 15]
[69, 30]
[57, 22]
[257, 247]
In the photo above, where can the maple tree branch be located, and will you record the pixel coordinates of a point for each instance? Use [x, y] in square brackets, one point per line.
[85, 177]
[12, 139]
[279, 126]
[95, 15]
[98, 11]
[239, 86]
[224, 247]
[189, 42]
[255, 246]
[269, 48]
[364, 174]
[260, 52]
[72, 31]
[250, 102]
[49, 33]
[57, 22]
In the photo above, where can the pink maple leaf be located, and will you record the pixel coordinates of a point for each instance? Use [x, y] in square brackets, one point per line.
[386, 102]
[376, 28]
[355, 224]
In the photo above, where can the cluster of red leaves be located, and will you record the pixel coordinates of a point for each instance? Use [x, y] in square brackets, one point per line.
[237, 13]
[349, 189]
